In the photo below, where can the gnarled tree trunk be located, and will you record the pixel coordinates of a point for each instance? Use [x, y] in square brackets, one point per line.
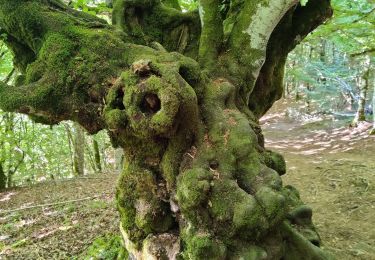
[181, 93]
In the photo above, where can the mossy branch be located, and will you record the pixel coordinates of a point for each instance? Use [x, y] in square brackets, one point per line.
[158, 21]
[248, 26]
[172, 3]
[211, 38]
[297, 23]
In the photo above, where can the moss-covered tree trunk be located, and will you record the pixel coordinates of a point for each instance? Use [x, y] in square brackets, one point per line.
[181, 93]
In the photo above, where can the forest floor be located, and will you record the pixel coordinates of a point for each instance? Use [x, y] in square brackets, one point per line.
[86, 210]
[331, 164]
[333, 167]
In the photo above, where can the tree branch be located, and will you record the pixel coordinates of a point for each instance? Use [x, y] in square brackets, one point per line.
[249, 38]
[172, 4]
[293, 28]
[152, 21]
[9, 76]
[363, 52]
[72, 66]
[71, 61]
[212, 33]
[20, 161]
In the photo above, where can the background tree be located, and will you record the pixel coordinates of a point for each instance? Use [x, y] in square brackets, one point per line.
[364, 86]
[181, 93]
[373, 113]
[332, 67]
[79, 150]
[48, 150]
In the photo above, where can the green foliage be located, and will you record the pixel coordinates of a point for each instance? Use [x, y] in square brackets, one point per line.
[352, 28]
[329, 67]
[304, 2]
[189, 5]
[6, 64]
[47, 150]
[33, 152]
[91, 6]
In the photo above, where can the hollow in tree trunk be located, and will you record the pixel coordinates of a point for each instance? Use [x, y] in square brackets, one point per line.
[181, 93]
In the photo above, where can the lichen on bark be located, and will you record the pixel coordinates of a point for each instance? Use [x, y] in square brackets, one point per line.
[181, 93]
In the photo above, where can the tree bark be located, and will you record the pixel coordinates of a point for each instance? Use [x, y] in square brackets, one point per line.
[98, 163]
[79, 150]
[3, 177]
[372, 132]
[197, 182]
[364, 87]
[70, 140]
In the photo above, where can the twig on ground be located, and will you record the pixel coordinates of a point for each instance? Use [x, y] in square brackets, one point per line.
[330, 179]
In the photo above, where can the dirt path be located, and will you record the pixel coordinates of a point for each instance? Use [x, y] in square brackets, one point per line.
[333, 167]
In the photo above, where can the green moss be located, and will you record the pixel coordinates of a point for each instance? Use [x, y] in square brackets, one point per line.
[155, 21]
[204, 246]
[172, 3]
[193, 187]
[249, 221]
[273, 204]
[115, 119]
[108, 247]
[142, 211]
[275, 161]
[212, 33]
[149, 123]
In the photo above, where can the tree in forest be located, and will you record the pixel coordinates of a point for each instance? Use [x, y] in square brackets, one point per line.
[94, 156]
[364, 88]
[331, 68]
[11, 155]
[372, 132]
[181, 93]
[78, 151]
[3, 177]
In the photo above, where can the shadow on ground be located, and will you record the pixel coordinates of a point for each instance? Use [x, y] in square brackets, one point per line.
[333, 167]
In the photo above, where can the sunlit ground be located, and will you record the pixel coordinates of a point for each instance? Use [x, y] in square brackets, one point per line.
[333, 167]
